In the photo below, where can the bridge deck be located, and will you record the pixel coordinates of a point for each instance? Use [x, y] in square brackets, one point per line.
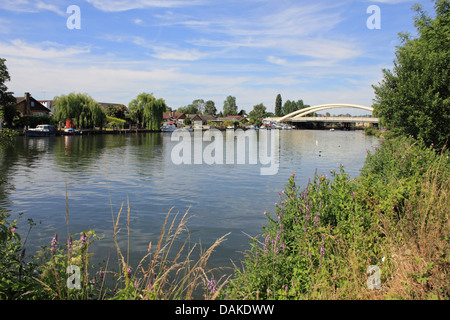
[334, 119]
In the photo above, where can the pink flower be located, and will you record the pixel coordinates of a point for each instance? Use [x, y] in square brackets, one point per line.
[12, 229]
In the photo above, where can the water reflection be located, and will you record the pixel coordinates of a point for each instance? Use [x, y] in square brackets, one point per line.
[105, 171]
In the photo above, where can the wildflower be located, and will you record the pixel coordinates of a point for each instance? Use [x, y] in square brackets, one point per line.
[322, 248]
[265, 212]
[54, 243]
[316, 218]
[83, 240]
[283, 192]
[101, 274]
[69, 244]
[212, 285]
[129, 271]
[12, 230]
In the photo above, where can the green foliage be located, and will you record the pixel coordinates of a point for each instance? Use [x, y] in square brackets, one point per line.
[7, 100]
[414, 98]
[319, 241]
[16, 274]
[116, 111]
[278, 106]
[32, 121]
[147, 111]
[115, 122]
[85, 111]
[230, 107]
[187, 121]
[7, 136]
[57, 265]
[210, 108]
[257, 114]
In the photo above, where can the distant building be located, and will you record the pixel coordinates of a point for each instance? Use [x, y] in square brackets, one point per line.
[27, 105]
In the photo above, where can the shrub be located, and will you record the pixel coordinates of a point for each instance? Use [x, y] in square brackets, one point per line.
[321, 240]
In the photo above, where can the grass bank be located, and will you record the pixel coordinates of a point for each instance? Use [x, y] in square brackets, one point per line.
[383, 235]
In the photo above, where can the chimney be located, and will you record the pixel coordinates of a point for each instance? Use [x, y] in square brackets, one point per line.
[27, 108]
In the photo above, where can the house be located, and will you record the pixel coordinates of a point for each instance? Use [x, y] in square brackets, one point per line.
[173, 117]
[27, 105]
[48, 104]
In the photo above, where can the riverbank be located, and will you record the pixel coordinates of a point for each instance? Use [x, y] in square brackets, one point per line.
[383, 235]
[318, 243]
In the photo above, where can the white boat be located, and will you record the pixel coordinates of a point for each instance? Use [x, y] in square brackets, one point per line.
[42, 130]
[168, 128]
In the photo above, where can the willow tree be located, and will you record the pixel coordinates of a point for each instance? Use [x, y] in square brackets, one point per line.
[81, 108]
[147, 111]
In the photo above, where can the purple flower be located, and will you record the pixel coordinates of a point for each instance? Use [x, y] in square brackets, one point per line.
[212, 285]
[54, 243]
[129, 271]
[69, 244]
[83, 240]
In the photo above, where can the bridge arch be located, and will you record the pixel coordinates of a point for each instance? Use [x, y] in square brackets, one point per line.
[305, 111]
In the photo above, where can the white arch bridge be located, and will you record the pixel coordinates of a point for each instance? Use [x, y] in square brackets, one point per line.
[301, 115]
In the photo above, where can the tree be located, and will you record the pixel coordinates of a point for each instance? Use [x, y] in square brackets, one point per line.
[116, 111]
[148, 111]
[190, 109]
[81, 108]
[413, 98]
[289, 106]
[200, 105]
[257, 114]
[229, 106]
[7, 100]
[278, 106]
[210, 108]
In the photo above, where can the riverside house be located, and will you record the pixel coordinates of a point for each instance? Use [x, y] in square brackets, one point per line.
[27, 105]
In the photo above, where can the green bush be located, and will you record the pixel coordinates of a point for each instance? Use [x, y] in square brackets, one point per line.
[320, 241]
[16, 274]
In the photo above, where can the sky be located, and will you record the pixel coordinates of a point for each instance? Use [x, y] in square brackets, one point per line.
[182, 50]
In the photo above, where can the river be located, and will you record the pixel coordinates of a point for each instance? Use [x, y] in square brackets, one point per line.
[102, 172]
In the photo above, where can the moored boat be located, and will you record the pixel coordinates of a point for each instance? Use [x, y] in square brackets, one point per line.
[42, 130]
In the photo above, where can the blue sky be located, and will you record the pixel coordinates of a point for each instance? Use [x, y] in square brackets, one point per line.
[319, 51]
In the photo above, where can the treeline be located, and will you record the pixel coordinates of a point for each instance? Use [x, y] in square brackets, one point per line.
[288, 107]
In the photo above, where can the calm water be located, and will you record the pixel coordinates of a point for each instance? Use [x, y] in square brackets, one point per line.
[105, 169]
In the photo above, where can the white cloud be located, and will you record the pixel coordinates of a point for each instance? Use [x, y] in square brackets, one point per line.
[125, 5]
[32, 6]
[41, 51]
[392, 1]
[176, 54]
